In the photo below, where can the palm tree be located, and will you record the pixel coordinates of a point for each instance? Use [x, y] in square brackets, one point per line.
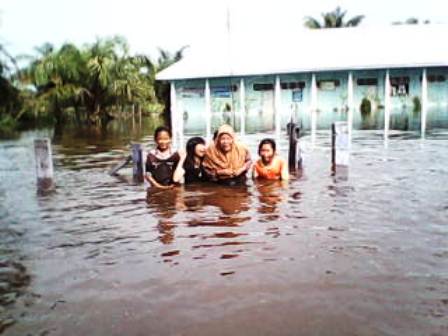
[333, 19]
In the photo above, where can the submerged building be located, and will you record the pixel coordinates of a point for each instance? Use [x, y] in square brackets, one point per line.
[383, 79]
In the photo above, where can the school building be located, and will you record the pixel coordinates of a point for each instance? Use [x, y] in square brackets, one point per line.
[375, 78]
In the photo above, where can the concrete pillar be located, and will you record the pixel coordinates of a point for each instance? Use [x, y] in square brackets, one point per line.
[180, 123]
[44, 165]
[208, 111]
[277, 106]
[340, 152]
[387, 106]
[350, 105]
[424, 111]
[173, 110]
[242, 107]
[313, 108]
[137, 162]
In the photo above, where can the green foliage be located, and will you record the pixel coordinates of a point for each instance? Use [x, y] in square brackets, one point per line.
[417, 104]
[96, 78]
[333, 19]
[366, 106]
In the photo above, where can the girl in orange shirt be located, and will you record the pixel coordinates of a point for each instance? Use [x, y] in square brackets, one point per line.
[270, 166]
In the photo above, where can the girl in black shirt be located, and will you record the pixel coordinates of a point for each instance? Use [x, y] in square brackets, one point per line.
[191, 162]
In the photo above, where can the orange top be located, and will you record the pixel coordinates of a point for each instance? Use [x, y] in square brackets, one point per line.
[270, 172]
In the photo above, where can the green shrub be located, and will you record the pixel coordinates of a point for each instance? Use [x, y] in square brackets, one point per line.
[366, 106]
[417, 104]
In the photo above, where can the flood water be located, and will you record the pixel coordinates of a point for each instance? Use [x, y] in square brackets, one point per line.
[363, 252]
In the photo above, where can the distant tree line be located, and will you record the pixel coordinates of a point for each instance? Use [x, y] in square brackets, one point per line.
[91, 84]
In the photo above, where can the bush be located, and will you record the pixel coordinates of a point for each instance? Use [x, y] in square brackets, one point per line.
[8, 126]
[417, 104]
[366, 106]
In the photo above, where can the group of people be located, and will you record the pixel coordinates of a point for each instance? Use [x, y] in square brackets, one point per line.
[224, 161]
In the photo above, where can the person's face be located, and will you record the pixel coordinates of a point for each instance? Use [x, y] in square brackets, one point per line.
[163, 141]
[225, 142]
[199, 150]
[266, 153]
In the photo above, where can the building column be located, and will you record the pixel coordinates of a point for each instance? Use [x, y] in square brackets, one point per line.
[387, 106]
[350, 105]
[242, 107]
[208, 111]
[424, 102]
[313, 108]
[277, 106]
[173, 111]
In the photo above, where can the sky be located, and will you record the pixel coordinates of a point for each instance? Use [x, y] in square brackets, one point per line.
[171, 24]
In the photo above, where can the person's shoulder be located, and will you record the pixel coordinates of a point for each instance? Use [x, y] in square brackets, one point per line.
[280, 160]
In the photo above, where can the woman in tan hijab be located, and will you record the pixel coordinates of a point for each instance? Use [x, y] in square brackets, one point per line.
[226, 160]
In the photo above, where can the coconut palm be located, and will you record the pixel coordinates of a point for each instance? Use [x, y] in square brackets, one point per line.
[333, 19]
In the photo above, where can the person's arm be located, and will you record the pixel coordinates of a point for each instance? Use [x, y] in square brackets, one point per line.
[284, 171]
[179, 172]
[254, 172]
[246, 166]
[156, 184]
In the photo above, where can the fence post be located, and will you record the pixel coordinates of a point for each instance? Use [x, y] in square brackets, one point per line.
[137, 160]
[44, 164]
[340, 153]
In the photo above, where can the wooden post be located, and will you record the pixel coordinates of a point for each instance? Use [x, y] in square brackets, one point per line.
[44, 164]
[340, 153]
[137, 159]
[294, 157]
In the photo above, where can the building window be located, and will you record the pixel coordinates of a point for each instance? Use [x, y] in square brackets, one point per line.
[367, 81]
[192, 92]
[436, 78]
[224, 91]
[263, 87]
[292, 85]
[328, 85]
[399, 86]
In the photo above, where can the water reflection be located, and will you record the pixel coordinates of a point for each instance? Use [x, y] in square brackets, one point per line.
[209, 254]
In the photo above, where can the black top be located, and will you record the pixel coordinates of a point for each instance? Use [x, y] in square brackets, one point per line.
[162, 170]
[194, 174]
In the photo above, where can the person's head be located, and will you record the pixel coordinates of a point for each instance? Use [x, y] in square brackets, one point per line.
[196, 147]
[266, 149]
[225, 138]
[162, 137]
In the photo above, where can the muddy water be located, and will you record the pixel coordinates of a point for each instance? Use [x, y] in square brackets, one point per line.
[363, 252]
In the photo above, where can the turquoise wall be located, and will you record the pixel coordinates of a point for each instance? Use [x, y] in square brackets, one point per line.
[405, 111]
